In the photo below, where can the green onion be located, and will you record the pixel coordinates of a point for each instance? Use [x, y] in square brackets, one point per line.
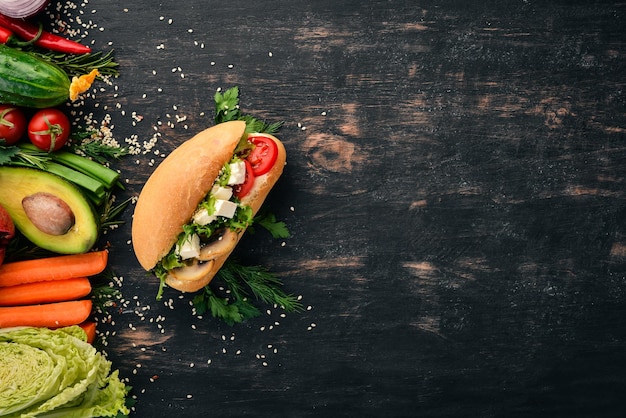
[94, 187]
[108, 177]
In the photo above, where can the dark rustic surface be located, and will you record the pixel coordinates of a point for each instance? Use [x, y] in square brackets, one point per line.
[454, 189]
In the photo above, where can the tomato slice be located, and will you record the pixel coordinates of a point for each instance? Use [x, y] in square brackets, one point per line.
[264, 154]
[240, 190]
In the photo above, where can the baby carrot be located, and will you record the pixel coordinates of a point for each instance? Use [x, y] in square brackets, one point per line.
[45, 292]
[53, 268]
[90, 329]
[51, 315]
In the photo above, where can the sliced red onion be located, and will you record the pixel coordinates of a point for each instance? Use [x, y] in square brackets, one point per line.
[22, 8]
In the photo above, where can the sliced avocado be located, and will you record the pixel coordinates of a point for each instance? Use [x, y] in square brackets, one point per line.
[63, 220]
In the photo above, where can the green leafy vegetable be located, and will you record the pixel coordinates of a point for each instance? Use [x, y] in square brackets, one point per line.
[56, 373]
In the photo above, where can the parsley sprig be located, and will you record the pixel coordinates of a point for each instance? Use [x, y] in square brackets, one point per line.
[227, 109]
[268, 220]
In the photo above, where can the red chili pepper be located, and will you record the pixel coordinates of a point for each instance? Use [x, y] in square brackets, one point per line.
[5, 35]
[29, 32]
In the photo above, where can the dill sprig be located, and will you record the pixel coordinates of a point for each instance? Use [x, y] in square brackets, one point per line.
[231, 296]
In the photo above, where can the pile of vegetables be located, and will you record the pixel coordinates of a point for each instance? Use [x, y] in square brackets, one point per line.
[39, 71]
[49, 292]
[48, 364]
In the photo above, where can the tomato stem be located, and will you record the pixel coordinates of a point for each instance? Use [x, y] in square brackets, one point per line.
[4, 121]
[53, 130]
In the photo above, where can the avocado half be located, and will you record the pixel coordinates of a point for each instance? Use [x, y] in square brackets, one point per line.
[18, 184]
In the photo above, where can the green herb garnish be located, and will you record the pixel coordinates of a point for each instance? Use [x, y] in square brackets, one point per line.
[231, 294]
[79, 64]
[227, 109]
[268, 220]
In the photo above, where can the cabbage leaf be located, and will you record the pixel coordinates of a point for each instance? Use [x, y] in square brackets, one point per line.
[56, 373]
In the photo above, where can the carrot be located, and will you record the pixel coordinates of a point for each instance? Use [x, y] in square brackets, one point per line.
[53, 268]
[90, 329]
[45, 292]
[51, 315]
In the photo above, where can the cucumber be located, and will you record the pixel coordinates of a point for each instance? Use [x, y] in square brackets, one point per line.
[29, 81]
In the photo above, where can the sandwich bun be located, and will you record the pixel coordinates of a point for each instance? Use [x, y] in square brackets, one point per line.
[172, 193]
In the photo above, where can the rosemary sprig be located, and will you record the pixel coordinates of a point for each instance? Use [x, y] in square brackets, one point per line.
[77, 65]
[109, 216]
[87, 142]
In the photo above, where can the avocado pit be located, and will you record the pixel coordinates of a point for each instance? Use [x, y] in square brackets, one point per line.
[50, 214]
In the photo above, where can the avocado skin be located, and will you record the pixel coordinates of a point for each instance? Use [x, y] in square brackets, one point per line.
[17, 182]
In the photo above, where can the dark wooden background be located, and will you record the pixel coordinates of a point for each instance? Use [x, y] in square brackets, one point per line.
[454, 189]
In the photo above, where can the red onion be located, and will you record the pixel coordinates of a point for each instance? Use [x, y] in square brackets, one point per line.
[22, 8]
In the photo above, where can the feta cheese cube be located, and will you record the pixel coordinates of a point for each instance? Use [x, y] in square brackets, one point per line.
[225, 208]
[190, 248]
[237, 173]
[222, 193]
[202, 217]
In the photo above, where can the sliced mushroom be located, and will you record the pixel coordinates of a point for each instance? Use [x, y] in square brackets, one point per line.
[220, 246]
[194, 270]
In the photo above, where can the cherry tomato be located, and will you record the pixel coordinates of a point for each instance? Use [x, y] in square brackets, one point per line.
[264, 154]
[49, 129]
[12, 124]
[243, 189]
